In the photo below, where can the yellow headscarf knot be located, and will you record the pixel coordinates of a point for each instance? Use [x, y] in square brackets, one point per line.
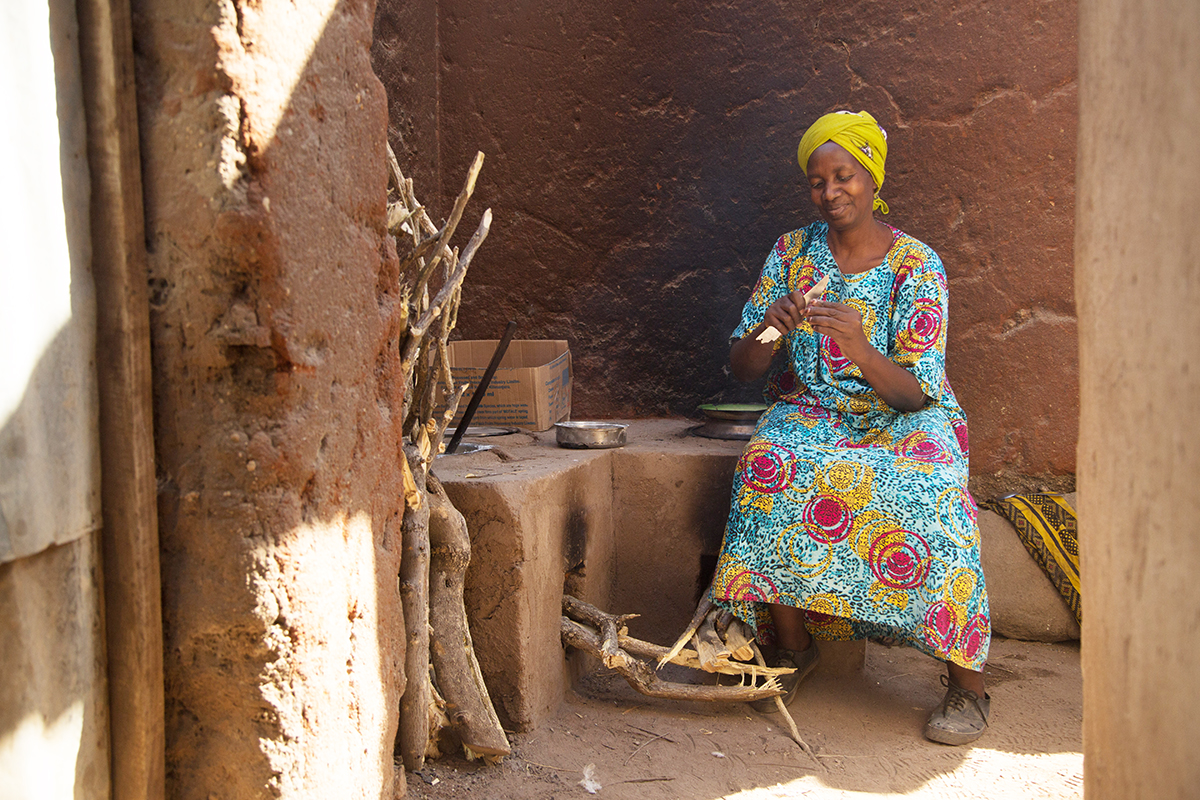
[859, 134]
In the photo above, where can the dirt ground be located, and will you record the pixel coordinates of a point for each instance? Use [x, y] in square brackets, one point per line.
[864, 727]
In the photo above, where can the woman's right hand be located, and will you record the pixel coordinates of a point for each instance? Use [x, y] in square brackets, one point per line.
[787, 313]
[750, 357]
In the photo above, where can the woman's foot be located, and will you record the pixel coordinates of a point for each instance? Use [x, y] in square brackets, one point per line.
[802, 661]
[961, 717]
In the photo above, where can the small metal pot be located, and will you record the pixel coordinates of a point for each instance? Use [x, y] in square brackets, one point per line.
[729, 420]
[590, 435]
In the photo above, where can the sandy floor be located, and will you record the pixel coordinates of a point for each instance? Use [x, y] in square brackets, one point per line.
[865, 729]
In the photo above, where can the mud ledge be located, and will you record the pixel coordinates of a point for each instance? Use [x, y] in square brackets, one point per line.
[634, 529]
[637, 530]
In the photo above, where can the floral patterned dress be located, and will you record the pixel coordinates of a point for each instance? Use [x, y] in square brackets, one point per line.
[841, 505]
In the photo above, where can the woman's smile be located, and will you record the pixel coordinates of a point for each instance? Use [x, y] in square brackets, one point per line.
[841, 188]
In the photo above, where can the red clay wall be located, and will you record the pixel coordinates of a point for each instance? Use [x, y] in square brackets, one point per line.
[641, 162]
[274, 300]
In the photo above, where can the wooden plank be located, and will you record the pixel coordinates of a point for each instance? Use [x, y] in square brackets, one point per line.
[132, 593]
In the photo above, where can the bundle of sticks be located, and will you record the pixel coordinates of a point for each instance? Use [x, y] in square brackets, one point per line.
[720, 643]
[606, 637]
[435, 540]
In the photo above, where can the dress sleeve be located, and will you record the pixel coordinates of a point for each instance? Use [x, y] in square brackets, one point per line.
[918, 322]
[772, 284]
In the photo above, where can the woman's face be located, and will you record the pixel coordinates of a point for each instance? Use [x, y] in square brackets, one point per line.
[841, 188]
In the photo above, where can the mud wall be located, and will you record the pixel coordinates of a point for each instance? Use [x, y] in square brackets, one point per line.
[54, 740]
[274, 328]
[1138, 286]
[641, 162]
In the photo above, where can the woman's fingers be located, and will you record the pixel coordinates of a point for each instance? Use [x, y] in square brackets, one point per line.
[790, 312]
[787, 312]
[820, 310]
[821, 314]
[833, 319]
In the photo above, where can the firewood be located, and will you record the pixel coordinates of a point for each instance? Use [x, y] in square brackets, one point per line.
[468, 705]
[414, 732]
[586, 612]
[738, 638]
[430, 293]
[642, 677]
[422, 358]
[709, 647]
[779, 705]
[688, 658]
[698, 616]
[580, 611]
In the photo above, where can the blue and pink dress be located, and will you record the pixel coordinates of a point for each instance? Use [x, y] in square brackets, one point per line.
[841, 505]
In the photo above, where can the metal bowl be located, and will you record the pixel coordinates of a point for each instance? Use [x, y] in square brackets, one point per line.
[590, 435]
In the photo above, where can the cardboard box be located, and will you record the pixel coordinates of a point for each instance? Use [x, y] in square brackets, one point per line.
[531, 388]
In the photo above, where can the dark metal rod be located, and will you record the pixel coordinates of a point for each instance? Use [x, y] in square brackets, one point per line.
[481, 389]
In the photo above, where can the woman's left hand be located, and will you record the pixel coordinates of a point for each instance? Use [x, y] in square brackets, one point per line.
[843, 324]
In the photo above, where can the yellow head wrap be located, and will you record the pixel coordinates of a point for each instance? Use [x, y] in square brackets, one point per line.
[859, 134]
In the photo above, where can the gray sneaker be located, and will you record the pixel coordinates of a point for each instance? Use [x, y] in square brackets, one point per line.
[960, 718]
[803, 661]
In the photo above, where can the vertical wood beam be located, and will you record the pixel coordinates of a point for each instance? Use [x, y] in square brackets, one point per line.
[132, 593]
[1137, 288]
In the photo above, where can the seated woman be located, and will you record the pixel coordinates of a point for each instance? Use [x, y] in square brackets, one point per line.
[850, 515]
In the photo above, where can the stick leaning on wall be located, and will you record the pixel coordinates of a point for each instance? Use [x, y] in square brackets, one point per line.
[434, 533]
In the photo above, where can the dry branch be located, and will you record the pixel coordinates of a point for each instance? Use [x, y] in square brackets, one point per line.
[642, 677]
[621, 652]
[580, 611]
[792, 729]
[468, 706]
[430, 247]
[447, 232]
[429, 516]
[740, 640]
[414, 593]
[688, 658]
[698, 616]
[709, 646]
